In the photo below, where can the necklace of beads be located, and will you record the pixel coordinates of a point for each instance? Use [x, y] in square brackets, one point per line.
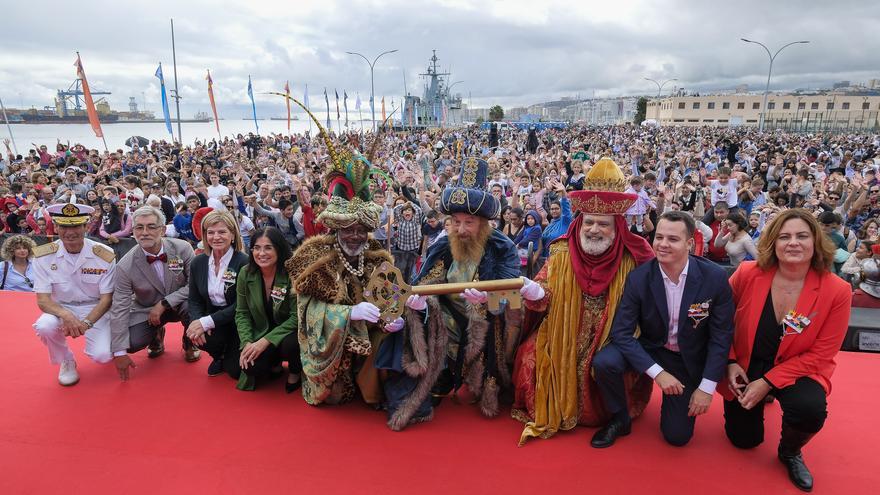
[360, 270]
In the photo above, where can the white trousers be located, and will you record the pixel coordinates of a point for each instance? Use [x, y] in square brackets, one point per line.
[48, 328]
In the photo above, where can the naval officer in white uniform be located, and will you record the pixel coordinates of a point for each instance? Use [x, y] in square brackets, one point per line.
[74, 280]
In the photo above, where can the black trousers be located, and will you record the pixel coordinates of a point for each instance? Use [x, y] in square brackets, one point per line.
[405, 261]
[677, 427]
[143, 334]
[223, 343]
[273, 356]
[804, 408]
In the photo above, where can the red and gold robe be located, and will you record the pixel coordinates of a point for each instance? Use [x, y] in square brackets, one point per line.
[553, 384]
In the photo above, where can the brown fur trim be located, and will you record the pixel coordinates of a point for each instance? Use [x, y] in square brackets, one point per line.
[473, 376]
[478, 326]
[315, 268]
[512, 330]
[436, 347]
[415, 355]
[489, 399]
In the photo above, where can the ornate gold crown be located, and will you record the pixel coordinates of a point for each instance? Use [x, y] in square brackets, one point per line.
[605, 175]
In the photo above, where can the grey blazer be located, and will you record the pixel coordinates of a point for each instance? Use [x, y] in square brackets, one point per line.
[138, 288]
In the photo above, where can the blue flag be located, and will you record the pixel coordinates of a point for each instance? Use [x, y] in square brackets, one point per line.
[165, 110]
[253, 104]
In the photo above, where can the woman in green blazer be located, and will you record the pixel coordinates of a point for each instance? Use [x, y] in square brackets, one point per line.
[265, 313]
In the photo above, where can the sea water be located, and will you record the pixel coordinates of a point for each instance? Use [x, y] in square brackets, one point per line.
[117, 133]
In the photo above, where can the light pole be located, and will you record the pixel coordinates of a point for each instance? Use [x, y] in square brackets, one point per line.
[372, 85]
[659, 89]
[769, 72]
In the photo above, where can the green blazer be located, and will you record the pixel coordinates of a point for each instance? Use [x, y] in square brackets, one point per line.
[250, 314]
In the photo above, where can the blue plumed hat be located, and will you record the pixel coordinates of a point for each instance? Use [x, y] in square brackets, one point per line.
[470, 193]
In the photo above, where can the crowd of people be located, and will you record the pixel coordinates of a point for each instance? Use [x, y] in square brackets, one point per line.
[624, 236]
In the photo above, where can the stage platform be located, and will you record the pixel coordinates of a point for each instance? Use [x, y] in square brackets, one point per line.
[174, 430]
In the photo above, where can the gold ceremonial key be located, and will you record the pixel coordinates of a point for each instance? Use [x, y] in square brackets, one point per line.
[389, 292]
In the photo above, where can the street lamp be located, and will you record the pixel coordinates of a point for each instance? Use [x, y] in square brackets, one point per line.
[372, 85]
[659, 89]
[769, 71]
[660, 86]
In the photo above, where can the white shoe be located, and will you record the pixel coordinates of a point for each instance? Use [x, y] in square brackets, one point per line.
[68, 376]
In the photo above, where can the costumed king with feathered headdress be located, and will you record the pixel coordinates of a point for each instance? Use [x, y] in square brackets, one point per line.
[454, 340]
[338, 332]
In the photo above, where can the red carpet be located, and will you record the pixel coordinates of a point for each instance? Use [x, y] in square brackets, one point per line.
[171, 429]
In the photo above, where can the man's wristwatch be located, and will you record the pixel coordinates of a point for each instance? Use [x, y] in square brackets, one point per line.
[88, 322]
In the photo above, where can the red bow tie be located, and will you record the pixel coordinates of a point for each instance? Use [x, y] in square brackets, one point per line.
[152, 259]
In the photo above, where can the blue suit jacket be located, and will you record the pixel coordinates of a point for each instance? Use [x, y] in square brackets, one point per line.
[704, 348]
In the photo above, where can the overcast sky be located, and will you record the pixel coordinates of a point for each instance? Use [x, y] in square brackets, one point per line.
[511, 52]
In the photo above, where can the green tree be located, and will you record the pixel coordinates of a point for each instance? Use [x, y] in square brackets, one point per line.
[641, 110]
[496, 113]
[479, 120]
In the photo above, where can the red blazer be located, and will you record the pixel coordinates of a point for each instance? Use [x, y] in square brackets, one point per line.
[825, 299]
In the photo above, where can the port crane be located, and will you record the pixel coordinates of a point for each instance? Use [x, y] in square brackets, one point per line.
[75, 92]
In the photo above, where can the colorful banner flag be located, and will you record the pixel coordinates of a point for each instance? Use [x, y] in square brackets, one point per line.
[337, 103]
[253, 104]
[345, 105]
[357, 102]
[287, 100]
[383, 109]
[87, 96]
[165, 111]
[327, 102]
[213, 104]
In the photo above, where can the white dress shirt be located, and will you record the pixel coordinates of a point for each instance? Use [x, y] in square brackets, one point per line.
[216, 286]
[157, 266]
[674, 292]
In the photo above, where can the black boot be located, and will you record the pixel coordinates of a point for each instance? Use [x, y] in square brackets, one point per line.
[790, 455]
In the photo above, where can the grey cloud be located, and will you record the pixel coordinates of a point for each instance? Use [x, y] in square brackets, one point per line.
[501, 61]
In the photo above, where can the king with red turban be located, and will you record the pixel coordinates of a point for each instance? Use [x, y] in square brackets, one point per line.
[583, 281]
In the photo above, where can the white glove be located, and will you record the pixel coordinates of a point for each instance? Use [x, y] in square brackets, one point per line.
[475, 296]
[394, 326]
[531, 291]
[365, 311]
[418, 303]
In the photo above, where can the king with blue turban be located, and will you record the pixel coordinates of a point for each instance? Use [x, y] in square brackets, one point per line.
[454, 340]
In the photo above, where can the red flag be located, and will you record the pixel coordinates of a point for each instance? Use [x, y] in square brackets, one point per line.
[287, 100]
[211, 97]
[87, 96]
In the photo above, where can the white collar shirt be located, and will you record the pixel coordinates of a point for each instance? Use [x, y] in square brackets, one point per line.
[158, 266]
[216, 286]
[674, 291]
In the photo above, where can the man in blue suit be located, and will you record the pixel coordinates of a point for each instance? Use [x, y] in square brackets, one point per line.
[682, 308]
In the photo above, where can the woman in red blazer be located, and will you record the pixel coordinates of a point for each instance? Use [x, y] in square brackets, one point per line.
[791, 317]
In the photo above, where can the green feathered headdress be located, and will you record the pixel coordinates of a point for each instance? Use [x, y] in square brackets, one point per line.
[348, 182]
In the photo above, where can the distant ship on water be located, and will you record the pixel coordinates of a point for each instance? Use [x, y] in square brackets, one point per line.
[293, 117]
[69, 109]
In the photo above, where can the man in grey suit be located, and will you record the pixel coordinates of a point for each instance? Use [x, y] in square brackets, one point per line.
[152, 290]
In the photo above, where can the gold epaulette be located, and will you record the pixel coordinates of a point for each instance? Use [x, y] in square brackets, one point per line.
[44, 249]
[103, 252]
